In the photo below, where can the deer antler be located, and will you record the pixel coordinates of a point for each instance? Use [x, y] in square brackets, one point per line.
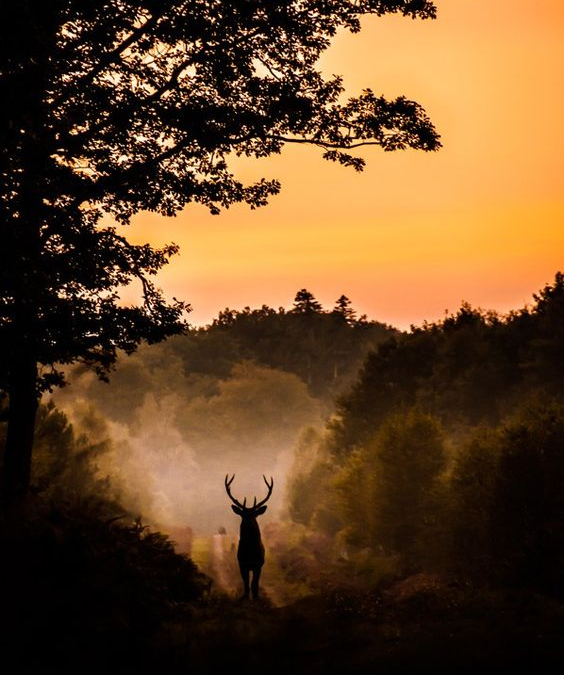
[269, 486]
[228, 482]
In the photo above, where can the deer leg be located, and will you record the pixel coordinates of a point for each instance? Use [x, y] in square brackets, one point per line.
[255, 584]
[245, 574]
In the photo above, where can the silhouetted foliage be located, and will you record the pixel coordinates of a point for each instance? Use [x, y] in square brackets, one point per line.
[472, 367]
[326, 359]
[112, 107]
[66, 467]
[480, 499]
[305, 303]
[410, 455]
[79, 588]
[508, 487]
[318, 345]
[383, 497]
[399, 531]
[343, 307]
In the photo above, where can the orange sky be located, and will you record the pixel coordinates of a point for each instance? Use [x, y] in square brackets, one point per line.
[482, 220]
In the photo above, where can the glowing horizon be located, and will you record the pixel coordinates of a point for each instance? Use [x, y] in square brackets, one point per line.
[415, 234]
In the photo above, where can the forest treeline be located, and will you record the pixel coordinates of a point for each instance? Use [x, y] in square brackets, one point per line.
[231, 396]
[447, 454]
[324, 348]
[444, 453]
[438, 466]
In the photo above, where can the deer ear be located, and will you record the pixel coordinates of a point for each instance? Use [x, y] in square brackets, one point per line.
[260, 511]
[237, 510]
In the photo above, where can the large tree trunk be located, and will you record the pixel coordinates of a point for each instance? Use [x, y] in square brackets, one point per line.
[29, 158]
[22, 352]
[21, 425]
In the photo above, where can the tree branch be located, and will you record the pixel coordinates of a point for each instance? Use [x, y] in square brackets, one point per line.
[111, 56]
[324, 144]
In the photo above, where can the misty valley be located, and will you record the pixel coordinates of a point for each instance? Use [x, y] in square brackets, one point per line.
[284, 490]
[415, 515]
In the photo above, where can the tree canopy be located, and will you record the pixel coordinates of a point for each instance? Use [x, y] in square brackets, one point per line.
[447, 453]
[112, 107]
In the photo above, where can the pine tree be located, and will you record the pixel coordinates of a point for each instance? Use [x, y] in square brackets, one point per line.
[305, 303]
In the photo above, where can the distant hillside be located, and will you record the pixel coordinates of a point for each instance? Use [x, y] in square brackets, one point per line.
[231, 397]
[324, 348]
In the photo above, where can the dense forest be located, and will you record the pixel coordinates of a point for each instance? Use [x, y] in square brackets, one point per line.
[410, 467]
[447, 453]
[230, 397]
[417, 477]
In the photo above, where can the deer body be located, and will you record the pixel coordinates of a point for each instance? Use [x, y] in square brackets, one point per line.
[250, 552]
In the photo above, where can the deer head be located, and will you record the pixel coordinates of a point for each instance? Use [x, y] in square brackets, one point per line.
[248, 511]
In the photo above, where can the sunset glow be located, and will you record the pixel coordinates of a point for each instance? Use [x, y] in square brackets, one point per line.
[414, 234]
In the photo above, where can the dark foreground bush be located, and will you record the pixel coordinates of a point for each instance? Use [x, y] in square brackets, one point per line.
[82, 592]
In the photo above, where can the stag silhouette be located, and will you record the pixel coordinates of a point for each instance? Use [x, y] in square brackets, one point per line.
[250, 552]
